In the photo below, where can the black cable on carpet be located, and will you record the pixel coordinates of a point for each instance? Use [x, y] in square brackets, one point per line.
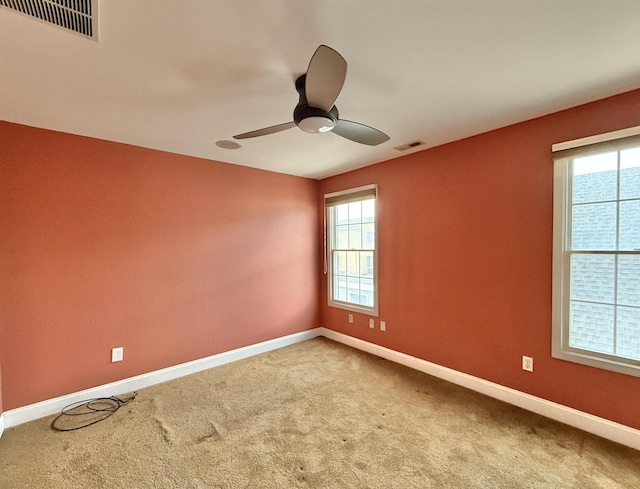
[88, 412]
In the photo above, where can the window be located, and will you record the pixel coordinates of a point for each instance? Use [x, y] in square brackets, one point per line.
[351, 261]
[596, 262]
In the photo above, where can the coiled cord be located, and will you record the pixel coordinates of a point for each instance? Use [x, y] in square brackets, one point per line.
[93, 410]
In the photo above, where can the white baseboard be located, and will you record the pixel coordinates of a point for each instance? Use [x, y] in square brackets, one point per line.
[20, 415]
[610, 430]
[605, 428]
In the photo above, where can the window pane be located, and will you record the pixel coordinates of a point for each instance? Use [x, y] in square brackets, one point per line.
[628, 337]
[353, 290]
[340, 288]
[591, 327]
[355, 211]
[629, 280]
[366, 289]
[594, 227]
[340, 262]
[630, 173]
[368, 210]
[342, 214]
[366, 264]
[355, 237]
[353, 263]
[630, 225]
[595, 178]
[368, 236]
[342, 237]
[593, 278]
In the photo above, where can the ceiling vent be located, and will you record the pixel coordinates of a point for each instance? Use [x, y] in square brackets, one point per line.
[80, 16]
[407, 146]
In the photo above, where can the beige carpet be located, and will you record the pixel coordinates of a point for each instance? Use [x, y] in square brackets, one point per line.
[314, 415]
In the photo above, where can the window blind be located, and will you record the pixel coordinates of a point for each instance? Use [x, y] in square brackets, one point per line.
[600, 143]
[353, 195]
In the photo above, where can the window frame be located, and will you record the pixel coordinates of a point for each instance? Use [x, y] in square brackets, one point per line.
[341, 197]
[561, 293]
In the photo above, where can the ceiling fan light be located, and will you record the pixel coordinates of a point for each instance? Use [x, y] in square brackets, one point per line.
[317, 124]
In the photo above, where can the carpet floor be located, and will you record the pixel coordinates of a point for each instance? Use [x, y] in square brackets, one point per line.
[317, 414]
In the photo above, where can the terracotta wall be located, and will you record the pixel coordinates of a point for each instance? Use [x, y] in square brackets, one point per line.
[465, 253]
[177, 258]
[174, 258]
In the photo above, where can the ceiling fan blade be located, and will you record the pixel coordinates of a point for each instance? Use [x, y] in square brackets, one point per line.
[265, 130]
[325, 77]
[359, 133]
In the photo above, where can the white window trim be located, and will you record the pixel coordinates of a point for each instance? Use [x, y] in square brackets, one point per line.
[560, 294]
[371, 311]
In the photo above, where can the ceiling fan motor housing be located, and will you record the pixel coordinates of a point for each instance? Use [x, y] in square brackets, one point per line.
[312, 119]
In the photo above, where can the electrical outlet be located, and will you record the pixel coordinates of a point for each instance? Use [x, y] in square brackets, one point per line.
[372, 323]
[351, 318]
[383, 325]
[117, 354]
[527, 364]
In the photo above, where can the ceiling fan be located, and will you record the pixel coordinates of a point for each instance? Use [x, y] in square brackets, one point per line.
[319, 88]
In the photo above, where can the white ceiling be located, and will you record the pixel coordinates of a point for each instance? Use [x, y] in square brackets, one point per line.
[180, 75]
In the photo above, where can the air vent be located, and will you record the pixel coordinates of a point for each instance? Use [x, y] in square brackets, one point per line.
[78, 16]
[407, 146]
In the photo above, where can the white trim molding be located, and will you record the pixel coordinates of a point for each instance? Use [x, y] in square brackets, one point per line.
[604, 428]
[610, 430]
[14, 417]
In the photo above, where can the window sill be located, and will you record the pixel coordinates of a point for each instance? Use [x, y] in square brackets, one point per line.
[629, 367]
[369, 311]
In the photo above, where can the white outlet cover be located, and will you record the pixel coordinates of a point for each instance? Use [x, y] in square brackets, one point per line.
[372, 323]
[383, 325]
[527, 364]
[117, 354]
[350, 318]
